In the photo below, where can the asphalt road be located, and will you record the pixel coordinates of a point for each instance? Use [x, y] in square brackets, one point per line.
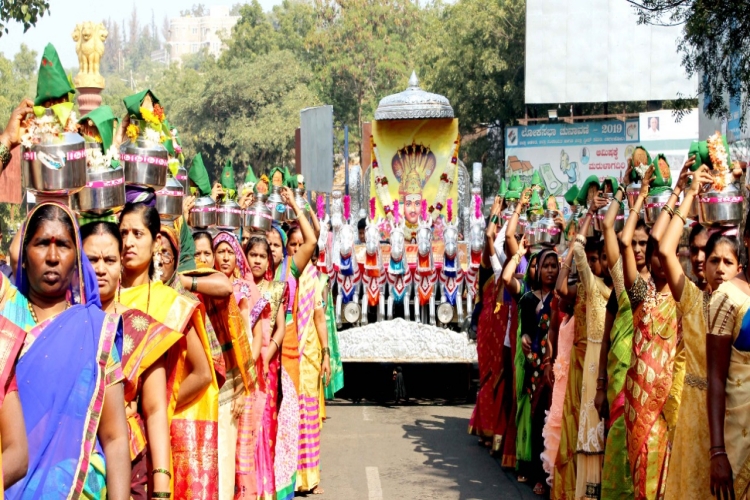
[417, 451]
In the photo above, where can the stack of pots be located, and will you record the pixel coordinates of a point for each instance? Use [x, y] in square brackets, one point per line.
[276, 205]
[532, 227]
[509, 209]
[722, 208]
[56, 166]
[203, 214]
[258, 216]
[146, 163]
[182, 178]
[104, 190]
[602, 213]
[229, 215]
[547, 231]
[169, 200]
[653, 205]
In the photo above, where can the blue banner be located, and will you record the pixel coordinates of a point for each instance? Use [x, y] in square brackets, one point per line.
[576, 134]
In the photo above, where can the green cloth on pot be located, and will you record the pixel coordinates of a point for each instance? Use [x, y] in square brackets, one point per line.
[583, 192]
[133, 103]
[227, 178]
[250, 176]
[502, 189]
[104, 120]
[571, 195]
[634, 177]
[659, 184]
[612, 181]
[199, 175]
[52, 82]
[699, 149]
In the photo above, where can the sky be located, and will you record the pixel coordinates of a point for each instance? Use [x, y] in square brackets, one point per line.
[58, 24]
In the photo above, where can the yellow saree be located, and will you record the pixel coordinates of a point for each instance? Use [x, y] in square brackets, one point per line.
[194, 427]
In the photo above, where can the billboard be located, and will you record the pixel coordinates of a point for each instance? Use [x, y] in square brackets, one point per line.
[595, 51]
[566, 154]
[316, 144]
[662, 132]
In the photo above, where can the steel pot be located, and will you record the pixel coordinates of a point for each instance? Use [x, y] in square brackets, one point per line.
[547, 231]
[722, 208]
[145, 162]
[508, 212]
[653, 205]
[104, 192]
[276, 205]
[182, 178]
[301, 202]
[602, 214]
[169, 199]
[523, 222]
[258, 216]
[57, 166]
[229, 215]
[203, 214]
[531, 229]
[632, 192]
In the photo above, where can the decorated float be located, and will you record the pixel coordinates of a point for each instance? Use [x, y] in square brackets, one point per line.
[407, 292]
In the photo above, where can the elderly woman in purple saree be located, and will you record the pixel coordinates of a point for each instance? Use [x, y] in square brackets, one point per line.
[69, 361]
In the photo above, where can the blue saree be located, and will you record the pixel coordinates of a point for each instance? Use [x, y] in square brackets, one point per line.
[66, 364]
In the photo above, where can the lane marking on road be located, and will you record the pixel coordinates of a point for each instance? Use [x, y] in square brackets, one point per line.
[373, 483]
[366, 414]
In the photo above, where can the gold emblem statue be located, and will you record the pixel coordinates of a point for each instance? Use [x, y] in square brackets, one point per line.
[89, 38]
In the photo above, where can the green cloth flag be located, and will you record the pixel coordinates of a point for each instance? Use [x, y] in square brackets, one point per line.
[227, 179]
[584, 191]
[571, 195]
[273, 172]
[199, 176]
[535, 203]
[514, 188]
[52, 82]
[289, 179]
[133, 103]
[639, 155]
[503, 189]
[104, 120]
[250, 176]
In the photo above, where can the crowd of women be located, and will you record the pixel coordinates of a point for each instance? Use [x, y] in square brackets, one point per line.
[140, 360]
[594, 376]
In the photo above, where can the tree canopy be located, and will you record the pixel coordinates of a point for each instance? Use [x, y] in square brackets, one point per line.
[26, 12]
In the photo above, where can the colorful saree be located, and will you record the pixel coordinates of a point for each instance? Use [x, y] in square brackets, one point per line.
[310, 354]
[66, 365]
[564, 474]
[590, 443]
[287, 438]
[647, 387]
[617, 481]
[258, 425]
[337, 367]
[486, 421]
[194, 427]
[728, 315]
[689, 477]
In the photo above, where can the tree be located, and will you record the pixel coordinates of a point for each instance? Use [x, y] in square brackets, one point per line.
[361, 51]
[222, 113]
[715, 46]
[25, 62]
[197, 10]
[473, 53]
[26, 12]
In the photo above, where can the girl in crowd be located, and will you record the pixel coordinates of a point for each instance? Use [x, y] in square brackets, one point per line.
[256, 479]
[143, 363]
[688, 476]
[728, 368]
[72, 391]
[194, 392]
[240, 335]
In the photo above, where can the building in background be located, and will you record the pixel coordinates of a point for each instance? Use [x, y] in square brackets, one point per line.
[189, 35]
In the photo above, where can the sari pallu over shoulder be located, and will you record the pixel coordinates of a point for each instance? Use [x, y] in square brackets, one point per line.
[68, 356]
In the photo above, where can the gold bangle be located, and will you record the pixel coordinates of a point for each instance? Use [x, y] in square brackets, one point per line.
[565, 266]
[516, 258]
[679, 214]
[278, 347]
[668, 209]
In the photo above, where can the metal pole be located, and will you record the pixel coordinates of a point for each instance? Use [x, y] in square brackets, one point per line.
[346, 159]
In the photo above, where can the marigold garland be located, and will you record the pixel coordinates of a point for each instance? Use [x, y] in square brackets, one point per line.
[719, 159]
[133, 131]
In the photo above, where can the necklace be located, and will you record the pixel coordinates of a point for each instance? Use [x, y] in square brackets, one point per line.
[33, 313]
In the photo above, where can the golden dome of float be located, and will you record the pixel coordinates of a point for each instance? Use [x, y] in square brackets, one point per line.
[413, 104]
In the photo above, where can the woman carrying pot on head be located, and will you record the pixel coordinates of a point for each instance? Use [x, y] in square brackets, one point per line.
[240, 334]
[688, 475]
[728, 368]
[144, 365]
[655, 331]
[72, 392]
[291, 257]
[194, 391]
[256, 478]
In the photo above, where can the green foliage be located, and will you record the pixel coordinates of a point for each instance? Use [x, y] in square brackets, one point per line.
[26, 12]
[715, 47]
[197, 10]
